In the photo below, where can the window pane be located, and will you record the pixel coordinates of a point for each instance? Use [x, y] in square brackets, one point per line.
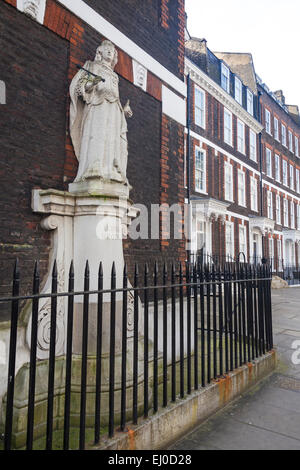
[200, 171]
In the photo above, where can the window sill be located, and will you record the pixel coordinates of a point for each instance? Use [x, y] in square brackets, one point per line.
[201, 192]
[200, 125]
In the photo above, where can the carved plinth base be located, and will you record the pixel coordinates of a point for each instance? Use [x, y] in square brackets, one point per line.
[20, 413]
[95, 186]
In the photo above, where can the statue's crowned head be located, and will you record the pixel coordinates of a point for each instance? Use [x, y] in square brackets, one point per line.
[107, 52]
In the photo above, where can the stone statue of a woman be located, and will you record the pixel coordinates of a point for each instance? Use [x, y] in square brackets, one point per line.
[97, 119]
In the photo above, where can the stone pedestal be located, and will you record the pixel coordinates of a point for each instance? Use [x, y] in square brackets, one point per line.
[87, 227]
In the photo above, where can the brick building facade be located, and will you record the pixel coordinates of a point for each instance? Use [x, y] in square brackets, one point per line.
[36, 149]
[244, 161]
[224, 157]
[280, 177]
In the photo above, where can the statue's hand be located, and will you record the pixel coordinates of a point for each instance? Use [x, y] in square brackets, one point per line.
[89, 86]
[127, 110]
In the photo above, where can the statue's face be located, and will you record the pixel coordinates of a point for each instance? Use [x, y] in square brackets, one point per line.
[31, 7]
[108, 52]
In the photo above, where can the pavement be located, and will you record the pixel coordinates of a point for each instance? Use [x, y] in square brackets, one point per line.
[268, 416]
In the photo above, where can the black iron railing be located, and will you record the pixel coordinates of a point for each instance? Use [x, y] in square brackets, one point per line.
[198, 323]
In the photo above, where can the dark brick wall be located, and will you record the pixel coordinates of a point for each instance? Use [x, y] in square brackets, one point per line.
[32, 139]
[151, 24]
[36, 151]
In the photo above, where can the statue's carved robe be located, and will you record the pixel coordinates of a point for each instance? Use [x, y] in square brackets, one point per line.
[98, 125]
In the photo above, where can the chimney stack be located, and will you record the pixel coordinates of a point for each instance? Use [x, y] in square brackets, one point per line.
[196, 50]
[280, 96]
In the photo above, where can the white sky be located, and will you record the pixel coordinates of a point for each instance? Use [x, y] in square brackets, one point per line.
[269, 29]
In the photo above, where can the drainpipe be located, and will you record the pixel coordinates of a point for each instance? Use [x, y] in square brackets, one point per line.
[188, 167]
[261, 183]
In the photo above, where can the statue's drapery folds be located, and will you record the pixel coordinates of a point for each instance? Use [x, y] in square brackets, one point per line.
[97, 119]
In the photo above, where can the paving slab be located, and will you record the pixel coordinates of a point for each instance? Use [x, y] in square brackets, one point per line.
[267, 417]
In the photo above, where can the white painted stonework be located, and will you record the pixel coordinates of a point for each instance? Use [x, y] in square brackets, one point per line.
[263, 224]
[33, 8]
[140, 74]
[98, 121]
[173, 106]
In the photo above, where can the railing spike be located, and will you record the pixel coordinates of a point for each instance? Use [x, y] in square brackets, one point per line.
[17, 269]
[100, 271]
[54, 270]
[87, 269]
[36, 269]
[125, 270]
[71, 271]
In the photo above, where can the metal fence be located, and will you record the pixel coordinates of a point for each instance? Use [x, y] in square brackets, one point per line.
[198, 323]
[290, 272]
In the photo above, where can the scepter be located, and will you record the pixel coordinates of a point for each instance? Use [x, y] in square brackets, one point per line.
[100, 79]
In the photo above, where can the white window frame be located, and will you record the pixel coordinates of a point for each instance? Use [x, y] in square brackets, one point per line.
[254, 194]
[298, 216]
[238, 90]
[225, 77]
[296, 146]
[297, 180]
[229, 228]
[200, 234]
[284, 172]
[228, 171]
[276, 128]
[283, 135]
[268, 162]
[252, 145]
[241, 188]
[279, 253]
[278, 209]
[243, 230]
[285, 212]
[271, 249]
[228, 130]
[200, 171]
[268, 121]
[200, 107]
[291, 148]
[292, 214]
[292, 180]
[250, 101]
[270, 205]
[241, 136]
[277, 168]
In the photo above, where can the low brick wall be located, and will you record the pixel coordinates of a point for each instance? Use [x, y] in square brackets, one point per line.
[159, 431]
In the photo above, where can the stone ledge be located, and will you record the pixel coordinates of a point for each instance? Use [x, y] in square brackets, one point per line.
[173, 422]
